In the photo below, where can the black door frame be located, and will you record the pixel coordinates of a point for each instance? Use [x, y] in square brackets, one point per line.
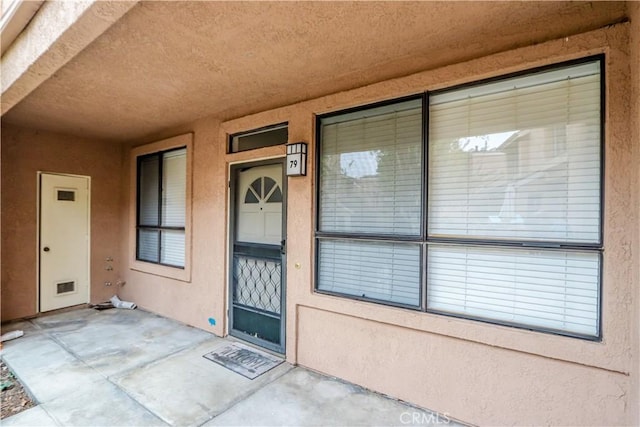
[233, 211]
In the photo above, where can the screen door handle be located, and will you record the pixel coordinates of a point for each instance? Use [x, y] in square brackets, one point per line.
[283, 247]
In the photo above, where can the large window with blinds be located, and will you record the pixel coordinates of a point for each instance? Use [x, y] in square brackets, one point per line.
[482, 201]
[161, 210]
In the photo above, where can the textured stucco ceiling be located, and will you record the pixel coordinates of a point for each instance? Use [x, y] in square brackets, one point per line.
[168, 63]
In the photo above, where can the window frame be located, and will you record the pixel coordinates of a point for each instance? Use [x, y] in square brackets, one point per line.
[171, 272]
[372, 237]
[160, 155]
[424, 239]
[264, 129]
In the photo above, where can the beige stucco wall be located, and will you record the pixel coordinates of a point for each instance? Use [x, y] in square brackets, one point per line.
[634, 114]
[476, 372]
[196, 300]
[24, 153]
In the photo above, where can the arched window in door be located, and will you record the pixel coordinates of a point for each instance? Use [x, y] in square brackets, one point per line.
[263, 190]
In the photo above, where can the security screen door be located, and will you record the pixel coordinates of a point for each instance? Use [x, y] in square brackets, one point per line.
[257, 273]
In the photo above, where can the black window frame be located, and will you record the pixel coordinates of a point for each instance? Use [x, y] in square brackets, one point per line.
[276, 126]
[417, 239]
[424, 240]
[159, 227]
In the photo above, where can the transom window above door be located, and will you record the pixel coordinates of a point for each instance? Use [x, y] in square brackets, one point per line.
[259, 138]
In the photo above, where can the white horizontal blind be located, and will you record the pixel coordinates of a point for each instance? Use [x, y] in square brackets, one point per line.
[370, 171]
[556, 290]
[148, 245]
[174, 188]
[156, 244]
[518, 159]
[172, 249]
[373, 270]
[148, 188]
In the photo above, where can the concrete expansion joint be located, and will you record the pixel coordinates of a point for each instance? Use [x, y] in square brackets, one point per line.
[67, 349]
[240, 398]
[35, 325]
[149, 363]
[140, 404]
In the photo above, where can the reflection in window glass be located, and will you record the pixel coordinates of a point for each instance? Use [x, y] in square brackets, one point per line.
[370, 171]
[512, 202]
[518, 163]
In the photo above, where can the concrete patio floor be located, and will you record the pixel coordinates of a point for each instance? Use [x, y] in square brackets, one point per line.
[134, 368]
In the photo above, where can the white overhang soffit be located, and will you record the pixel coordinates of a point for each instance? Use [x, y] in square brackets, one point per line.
[16, 14]
[49, 38]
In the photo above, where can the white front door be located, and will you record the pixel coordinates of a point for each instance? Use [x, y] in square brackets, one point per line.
[64, 241]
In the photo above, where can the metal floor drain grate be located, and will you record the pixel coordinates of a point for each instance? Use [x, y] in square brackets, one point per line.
[244, 360]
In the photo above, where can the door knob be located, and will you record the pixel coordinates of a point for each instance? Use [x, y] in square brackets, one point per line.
[46, 249]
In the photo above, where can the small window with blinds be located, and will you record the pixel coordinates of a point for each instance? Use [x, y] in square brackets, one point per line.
[162, 179]
[502, 223]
